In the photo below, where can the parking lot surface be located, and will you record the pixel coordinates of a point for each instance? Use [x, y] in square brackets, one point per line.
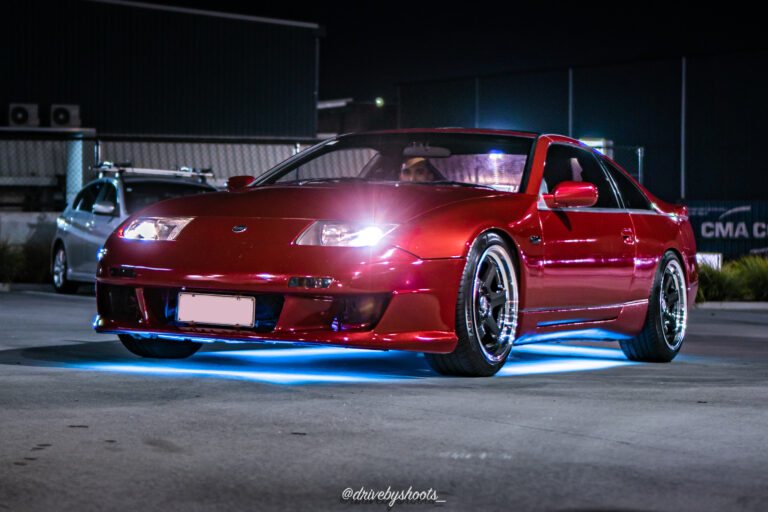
[85, 425]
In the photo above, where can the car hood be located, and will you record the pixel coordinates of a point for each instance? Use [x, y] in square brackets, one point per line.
[356, 202]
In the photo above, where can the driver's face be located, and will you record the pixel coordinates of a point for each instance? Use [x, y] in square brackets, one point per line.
[416, 172]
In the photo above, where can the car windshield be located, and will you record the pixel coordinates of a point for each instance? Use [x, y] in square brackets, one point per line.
[475, 160]
[140, 194]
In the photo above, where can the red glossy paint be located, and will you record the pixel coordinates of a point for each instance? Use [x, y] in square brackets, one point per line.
[235, 183]
[571, 194]
[588, 267]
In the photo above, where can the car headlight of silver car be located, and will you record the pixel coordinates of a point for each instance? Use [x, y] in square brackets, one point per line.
[154, 228]
[344, 234]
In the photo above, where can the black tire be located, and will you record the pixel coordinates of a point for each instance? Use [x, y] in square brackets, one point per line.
[59, 267]
[665, 323]
[159, 349]
[479, 352]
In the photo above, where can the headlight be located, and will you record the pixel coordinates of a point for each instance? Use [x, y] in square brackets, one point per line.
[344, 234]
[154, 228]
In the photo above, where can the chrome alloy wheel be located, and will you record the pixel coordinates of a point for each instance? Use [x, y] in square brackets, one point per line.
[494, 306]
[60, 268]
[673, 304]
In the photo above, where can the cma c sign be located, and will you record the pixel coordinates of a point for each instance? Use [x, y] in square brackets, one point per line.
[742, 229]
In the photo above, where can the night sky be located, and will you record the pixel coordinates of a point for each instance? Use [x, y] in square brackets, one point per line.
[370, 47]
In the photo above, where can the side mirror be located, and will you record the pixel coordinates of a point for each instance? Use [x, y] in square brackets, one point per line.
[570, 194]
[104, 208]
[235, 183]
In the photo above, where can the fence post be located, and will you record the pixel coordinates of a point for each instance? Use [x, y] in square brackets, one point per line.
[75, 169]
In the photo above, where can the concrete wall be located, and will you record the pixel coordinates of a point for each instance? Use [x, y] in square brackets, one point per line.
[19, 228]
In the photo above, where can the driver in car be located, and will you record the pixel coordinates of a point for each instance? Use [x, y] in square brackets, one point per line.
[419, 169]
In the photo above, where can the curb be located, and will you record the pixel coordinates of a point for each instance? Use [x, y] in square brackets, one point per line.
[743, 306]
[35, 287]
[20, 287]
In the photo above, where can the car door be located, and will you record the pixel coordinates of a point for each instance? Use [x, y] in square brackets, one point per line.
[80, 229]
[647, 223]
[588, 251]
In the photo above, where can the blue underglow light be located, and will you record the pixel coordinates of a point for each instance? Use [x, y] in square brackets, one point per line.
[558, 365]
[575, 335]
[272, 377]
[301, 353]
[547, 349]
[337, 365]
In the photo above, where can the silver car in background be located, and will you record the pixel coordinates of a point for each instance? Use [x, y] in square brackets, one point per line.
[100, 207]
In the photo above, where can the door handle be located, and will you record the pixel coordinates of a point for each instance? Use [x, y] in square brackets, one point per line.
[628, 235]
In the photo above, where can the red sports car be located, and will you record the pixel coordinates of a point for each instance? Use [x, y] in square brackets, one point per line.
[456, 243]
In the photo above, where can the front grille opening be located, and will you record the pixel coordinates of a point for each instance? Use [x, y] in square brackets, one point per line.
[358, 313]
[118, 303]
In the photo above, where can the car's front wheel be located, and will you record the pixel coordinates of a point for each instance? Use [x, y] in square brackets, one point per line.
[159, 349]
[486, 312]
[667, 317]
[59, 271]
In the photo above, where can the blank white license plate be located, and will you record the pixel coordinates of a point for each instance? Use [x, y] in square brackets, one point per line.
[202, 308]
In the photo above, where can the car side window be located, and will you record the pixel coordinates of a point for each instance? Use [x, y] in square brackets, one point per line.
[89, 195]
[633, 197]
[108, 193]
[77, 200]
[571, 163]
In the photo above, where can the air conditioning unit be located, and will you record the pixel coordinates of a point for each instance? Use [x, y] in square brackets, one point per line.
[23, 114]
[65, 116]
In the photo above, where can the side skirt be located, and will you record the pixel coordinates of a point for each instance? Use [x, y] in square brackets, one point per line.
[609, 322]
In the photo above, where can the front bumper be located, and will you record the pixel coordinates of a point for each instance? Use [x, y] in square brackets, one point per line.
[388, 299]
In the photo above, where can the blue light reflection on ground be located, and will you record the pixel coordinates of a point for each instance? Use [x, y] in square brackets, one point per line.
[335, 365]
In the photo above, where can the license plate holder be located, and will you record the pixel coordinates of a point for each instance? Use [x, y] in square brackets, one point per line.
[215, 309]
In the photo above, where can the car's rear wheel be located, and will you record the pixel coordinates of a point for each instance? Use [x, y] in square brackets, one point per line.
[59, 272]
[159, 349]
[667, 317]
[486, 312]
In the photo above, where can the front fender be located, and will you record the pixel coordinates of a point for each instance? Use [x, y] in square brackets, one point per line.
[448, 231]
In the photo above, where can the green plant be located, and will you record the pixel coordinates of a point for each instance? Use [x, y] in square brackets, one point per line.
[742, 279]
[718, 285]
[11, 262]
[752, 272]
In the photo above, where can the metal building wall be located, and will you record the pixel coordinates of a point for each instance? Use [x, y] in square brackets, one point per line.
[727, 124]
[635, 104]
[535, 101]
[145, 71]
[439, 103]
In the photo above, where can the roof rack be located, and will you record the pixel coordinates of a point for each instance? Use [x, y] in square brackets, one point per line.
[127, 168]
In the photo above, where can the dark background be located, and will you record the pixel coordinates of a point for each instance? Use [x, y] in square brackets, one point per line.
[482, 64]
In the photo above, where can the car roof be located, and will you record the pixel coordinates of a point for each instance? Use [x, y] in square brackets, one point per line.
[478, 131]
[152, 179]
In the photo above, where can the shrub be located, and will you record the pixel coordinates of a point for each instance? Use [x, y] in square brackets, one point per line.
[719, 285]
[752, 272]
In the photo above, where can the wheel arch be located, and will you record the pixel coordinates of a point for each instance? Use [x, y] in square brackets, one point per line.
[511, 242]
[679, 255]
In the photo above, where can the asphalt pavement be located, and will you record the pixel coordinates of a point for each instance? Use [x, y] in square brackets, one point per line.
[85, 425]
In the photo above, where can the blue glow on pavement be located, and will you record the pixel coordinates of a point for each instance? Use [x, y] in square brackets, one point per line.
[338, 365]
[571, 351]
